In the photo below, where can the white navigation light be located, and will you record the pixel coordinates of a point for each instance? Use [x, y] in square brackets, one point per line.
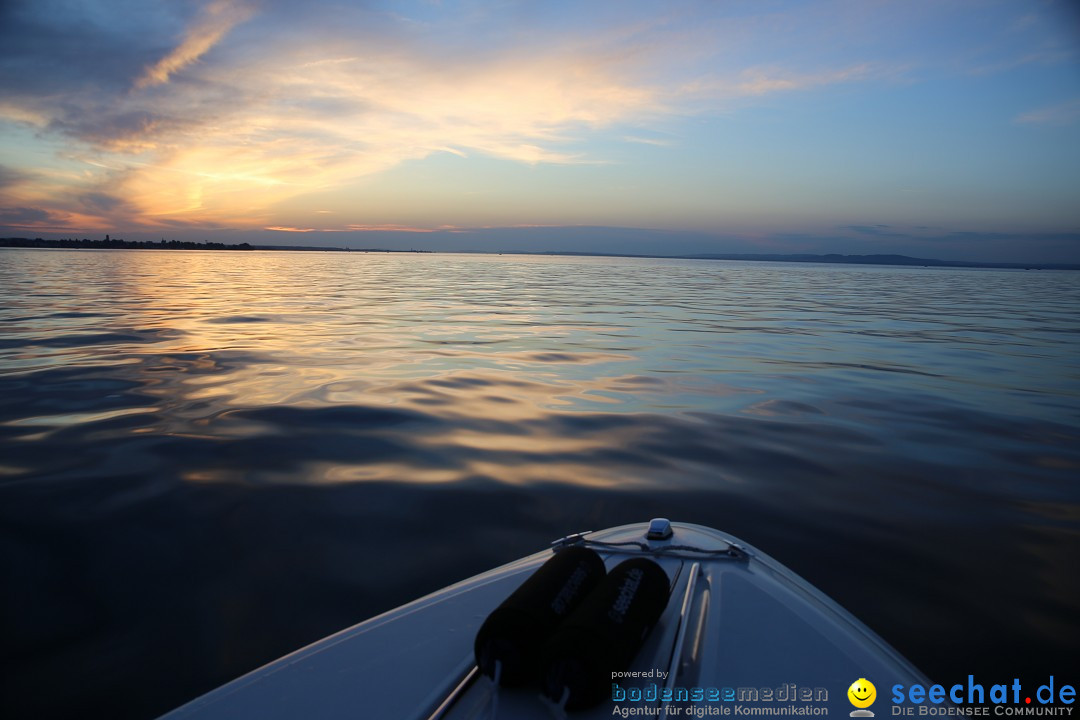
[659, 529]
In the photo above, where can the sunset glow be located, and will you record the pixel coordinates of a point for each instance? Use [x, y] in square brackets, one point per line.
[947, 129]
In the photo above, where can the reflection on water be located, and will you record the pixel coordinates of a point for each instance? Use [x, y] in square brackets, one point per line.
[209, 459]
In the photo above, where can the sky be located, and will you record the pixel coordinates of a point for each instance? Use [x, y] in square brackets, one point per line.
[936, 128]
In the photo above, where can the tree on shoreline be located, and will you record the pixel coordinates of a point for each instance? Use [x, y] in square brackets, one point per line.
[117, 244]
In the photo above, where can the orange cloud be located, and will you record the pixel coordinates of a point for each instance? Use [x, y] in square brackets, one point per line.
[385, 227]
[268, 124]
[760, 80]
[389, 227]
[218, 18]
[312, 126]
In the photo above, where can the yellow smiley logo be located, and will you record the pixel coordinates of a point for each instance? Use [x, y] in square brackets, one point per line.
[862, 693]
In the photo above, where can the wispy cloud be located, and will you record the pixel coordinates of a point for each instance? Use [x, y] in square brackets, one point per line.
[217, 19]
[375, 228]
[1065, 113]
[259, 113]
[1043, 56]
[11, 176]
[760, 81]
[396, 228]
[349, 93]
[875, 230]
[314, 125]
[33, 218]
[658, 142]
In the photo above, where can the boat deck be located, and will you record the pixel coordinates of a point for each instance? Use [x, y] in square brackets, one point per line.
[739, 630]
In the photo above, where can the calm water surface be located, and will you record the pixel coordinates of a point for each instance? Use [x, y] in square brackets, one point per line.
[210, 459]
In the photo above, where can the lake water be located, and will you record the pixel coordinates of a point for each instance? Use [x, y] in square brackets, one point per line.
[208, 459]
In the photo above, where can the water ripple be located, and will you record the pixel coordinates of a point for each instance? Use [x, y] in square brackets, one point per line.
[197, 447]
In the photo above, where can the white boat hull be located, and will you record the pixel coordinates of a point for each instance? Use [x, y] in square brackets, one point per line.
[740, 630]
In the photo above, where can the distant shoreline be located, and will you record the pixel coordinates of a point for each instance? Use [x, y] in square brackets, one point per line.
[834, 259]
[116, 244]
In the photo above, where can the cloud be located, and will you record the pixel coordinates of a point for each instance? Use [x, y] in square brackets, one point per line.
[300, 102]
[760, 81]
[11, 176]
[30, 218]
[355, 228]
[875, 230]
[316, 124]
[1043, 56]
[724, 90]
[1065, 113]
[212, 114]
[218, 18]
[646, 140]
[119, 129]
[395, 228]
[58, 53]
[870, 233]
[100, 203]
[225, 150]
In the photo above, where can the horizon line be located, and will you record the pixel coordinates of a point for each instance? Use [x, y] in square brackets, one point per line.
[891, 259]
